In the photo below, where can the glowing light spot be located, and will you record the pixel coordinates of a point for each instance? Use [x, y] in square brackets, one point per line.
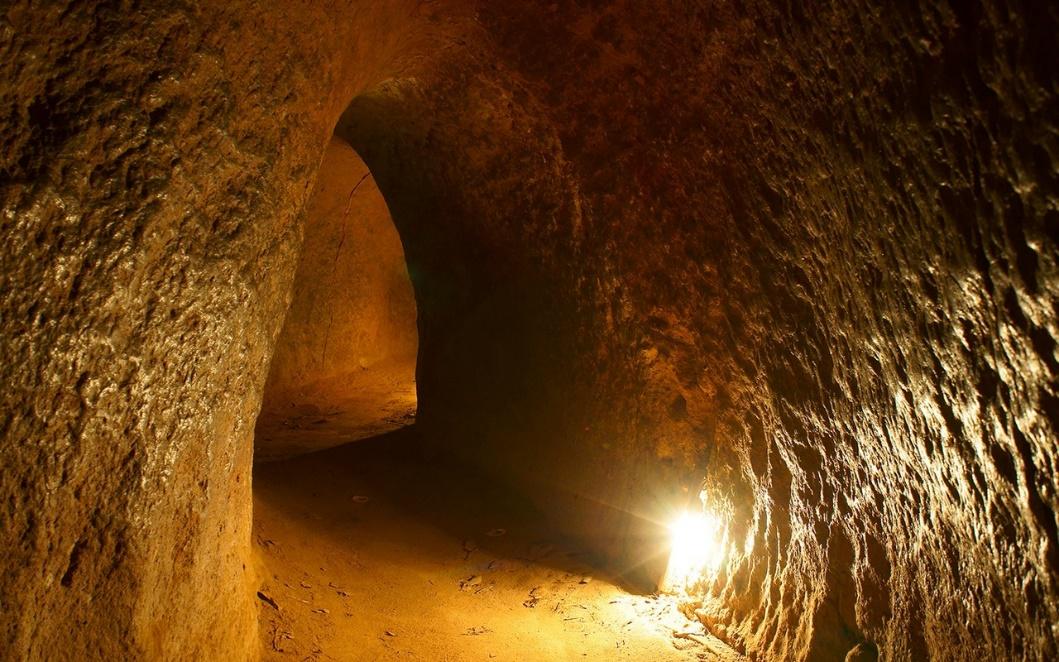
[696, 549]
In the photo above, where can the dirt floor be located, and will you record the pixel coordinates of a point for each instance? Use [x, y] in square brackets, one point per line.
[329, 412]
[375, 551]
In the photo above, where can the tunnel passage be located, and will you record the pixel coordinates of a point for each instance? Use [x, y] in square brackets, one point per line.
[375, 539]
[802, 255]
[345, 361]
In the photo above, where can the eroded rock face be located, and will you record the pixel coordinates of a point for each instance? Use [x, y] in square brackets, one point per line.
[808, 253]
[344, 365]
[154, 165]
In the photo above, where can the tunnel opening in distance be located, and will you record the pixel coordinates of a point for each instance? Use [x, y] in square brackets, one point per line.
[345, 361]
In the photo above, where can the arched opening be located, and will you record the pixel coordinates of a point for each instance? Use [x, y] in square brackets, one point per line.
[438, 540]
[344, 364]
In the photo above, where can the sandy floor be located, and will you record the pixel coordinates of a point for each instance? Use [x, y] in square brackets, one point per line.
[370, 552]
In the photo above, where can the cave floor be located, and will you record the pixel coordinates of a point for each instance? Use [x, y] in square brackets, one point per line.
[372, 551]
[352, 405]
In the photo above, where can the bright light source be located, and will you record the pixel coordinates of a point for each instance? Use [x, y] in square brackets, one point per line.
[696, 548]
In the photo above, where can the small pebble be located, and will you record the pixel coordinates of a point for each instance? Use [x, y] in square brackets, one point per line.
[473, 580]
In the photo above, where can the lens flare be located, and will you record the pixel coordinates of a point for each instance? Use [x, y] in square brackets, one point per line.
[696, 549]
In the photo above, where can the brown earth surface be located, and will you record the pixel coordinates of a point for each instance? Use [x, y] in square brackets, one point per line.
[366, 555]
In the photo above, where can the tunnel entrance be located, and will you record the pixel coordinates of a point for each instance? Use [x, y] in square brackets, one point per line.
[345, 361]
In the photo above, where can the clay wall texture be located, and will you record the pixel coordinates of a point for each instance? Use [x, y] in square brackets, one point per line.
[807, 252]
[156, 160]
[804, 250]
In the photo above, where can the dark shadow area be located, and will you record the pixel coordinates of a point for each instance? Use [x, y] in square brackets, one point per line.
[339, 487]
[516, 353]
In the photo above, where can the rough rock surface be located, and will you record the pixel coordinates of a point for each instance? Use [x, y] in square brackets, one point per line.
[808, 252]
[155, 162]
[344, 365]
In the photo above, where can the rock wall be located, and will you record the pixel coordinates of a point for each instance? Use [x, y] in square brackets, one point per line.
[344, 365]
[155, 161]
[805, 251]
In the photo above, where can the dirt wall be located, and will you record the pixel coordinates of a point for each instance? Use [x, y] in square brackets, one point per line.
[806, 252]
[154, 166]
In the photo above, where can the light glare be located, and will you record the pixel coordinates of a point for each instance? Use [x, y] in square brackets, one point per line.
[695, 549]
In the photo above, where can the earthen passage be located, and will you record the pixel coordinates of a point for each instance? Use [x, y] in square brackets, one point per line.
[781, 275]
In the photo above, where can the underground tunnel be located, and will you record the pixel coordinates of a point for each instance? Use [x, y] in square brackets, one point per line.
[582, 329]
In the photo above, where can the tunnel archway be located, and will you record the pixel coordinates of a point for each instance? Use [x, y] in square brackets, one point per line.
[345, 360]
[516, 315]
[489, 493]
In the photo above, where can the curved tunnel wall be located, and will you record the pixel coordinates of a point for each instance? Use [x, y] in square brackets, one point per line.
[808, 253]
[743, 265]
[344, 364]
[156, 163]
